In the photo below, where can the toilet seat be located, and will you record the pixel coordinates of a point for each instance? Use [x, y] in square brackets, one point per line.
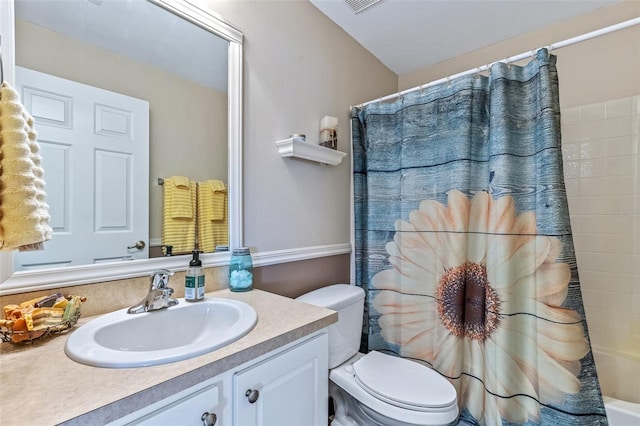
[410, 410]
[403, 383]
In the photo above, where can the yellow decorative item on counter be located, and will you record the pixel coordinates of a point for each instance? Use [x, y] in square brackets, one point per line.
[40, 317]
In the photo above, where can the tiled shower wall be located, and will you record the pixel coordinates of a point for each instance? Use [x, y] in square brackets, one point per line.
[601, 166]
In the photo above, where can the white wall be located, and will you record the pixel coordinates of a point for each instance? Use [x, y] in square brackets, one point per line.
[602, 172]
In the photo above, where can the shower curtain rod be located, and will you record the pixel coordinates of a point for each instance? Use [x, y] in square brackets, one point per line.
[515, 58]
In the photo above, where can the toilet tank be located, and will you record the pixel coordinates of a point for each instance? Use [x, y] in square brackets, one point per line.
[344, 336]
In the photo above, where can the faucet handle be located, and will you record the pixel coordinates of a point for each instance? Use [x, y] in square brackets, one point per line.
[160, 279]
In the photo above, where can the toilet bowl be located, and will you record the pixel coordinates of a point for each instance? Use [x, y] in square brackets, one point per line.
[377, 388]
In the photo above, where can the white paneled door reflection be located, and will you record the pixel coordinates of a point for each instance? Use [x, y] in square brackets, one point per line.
[95, 149]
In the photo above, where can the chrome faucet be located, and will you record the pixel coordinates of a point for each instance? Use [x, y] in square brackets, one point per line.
[158, 296]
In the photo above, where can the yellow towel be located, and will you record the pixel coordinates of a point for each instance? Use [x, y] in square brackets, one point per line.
[212, 215]
[181, 181]
[24, 213]
[214, 194]
[181, 206]
[178, 219]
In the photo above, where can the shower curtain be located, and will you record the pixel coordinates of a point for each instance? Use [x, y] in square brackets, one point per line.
[464, 248]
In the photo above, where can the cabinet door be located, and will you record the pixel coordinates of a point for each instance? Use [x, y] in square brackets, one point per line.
[184, 408]
[289, 389]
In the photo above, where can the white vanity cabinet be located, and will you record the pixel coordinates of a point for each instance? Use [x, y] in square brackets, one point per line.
[287, 386]
[288, 389]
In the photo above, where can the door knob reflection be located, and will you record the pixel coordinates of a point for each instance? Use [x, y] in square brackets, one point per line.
[138, 245]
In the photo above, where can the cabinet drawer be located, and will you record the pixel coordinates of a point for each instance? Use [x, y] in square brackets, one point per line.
[184, 408]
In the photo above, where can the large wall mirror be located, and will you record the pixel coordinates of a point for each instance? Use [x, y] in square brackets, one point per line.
[157, 84]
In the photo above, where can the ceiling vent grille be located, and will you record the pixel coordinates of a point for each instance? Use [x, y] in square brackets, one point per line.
[360, 5]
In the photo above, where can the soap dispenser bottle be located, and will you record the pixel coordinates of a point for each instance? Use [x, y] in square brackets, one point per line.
[194, 280]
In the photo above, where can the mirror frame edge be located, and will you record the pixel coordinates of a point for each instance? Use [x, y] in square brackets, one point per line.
[11, 283]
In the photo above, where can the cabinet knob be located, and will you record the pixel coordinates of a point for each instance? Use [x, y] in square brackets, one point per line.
[208, 419]
[252, 395]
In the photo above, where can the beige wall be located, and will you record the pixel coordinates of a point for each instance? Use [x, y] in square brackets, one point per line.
[599, 84]
[607, 67]
[298, 67]
[184, 117]
[296, 278]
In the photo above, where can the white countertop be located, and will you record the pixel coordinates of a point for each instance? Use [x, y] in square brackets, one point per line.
[39, 384]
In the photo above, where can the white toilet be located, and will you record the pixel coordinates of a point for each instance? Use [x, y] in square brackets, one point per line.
[376, 388]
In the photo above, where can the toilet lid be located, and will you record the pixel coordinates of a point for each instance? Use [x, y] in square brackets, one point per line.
[403, 383]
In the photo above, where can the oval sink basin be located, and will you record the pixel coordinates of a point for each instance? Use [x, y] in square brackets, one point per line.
[119, 339]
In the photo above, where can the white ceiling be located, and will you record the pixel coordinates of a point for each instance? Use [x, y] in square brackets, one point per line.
[407, 35]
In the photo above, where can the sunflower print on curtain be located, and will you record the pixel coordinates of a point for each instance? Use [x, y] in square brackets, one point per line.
[464, 247]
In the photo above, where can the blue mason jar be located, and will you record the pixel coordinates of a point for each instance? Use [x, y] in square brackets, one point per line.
[241, 270]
